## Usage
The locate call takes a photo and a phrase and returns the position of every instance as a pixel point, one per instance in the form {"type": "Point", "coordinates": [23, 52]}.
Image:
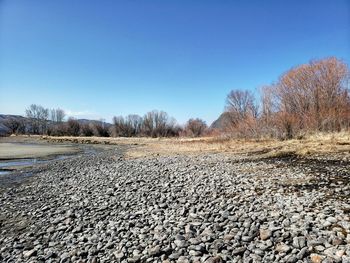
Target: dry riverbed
{"type": "Point", "coordinates": [203, 207]}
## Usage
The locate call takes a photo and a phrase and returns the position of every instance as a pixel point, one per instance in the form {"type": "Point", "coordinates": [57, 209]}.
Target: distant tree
{"type": "Point", "coordinates": [134, 123]}
{"type": "Point", "coordinates": [86, 130]}
{"type": "Point", "coordinates": [242, 112]}
{"type": "Point", "coordinates": [99, 128]}
{"type": "Point", "coordinates": [38, 117]}
{"type": "Point", "coordinates": [241, 104]}
{"type": "Point", "coordinates": [128, 126]}
{"type": "Point", "coordinates": [157, 124]}
{"type": "Point", "coordinates": [119, 126]}
{"type": "Point", "coordinates": [195, 127]}
{"type": "Point", "coordinates": [57, 115]}
{"type": "Point", "coordinates": [15, 126]}
{"type": "Point", "coordinates": [73, 127]}
{"type": "Point", "coordinates": [269, 111]}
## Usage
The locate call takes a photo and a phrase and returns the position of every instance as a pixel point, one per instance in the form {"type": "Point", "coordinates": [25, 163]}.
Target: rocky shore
{"type": "Point", "coordinates": [207, 208]}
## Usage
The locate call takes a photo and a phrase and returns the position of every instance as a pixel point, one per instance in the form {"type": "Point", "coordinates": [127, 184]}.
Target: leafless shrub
{"type": "Point", "coordinates": [99, 128]}
{"type": "Point", "coordinates": [15, 125]}
{"type": "Point", "coordinates": [73, 127]}
{"type": "Point", "coordinates": [195, 127]}
{"type": "Point", "coordinates": [57, 129]}
{"type": "Point", "coordinates": [86, 130]}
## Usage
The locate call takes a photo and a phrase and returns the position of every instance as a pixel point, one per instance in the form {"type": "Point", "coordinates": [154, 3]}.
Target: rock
{"type": "Point", "coordinates": [78, 229]}
{"type": "Point", "coordinates": [29, 253]}
{"type": "Point", "coordinates": [334, 253]}
{"type": "Point", "coordinates": [331, 219]}
{"type": "Point", "coordinates": [216, 259]}
{"type": "Point", "coordinates": [247, 238]}
{"type": "Point", "coordinates": [265, 234]}
{"type": "Point", "coordinates": [155, 251]}
{"type": "Point", "coordinates": [50, 230]}
{"type": "Point", "coordinates": [65, 257]}
{"type": "Point", "coordinates": [292, 259]}
{"type": "Point", "coordinates": [315, 258]}
{"type": "Point", "coordinates": [175, 255]}
{"type": "Point", "coordinates": [189, 228]}
{"type": "Point", "coordinates": [229, 237]}
{"type": "Point", "coordinates": [183, 259]}
{"type": "Point", "coordinates": [195, 253]}
{"type": "Point", "coordinates": [118, 255]}
{"type": "Point", "coordinates": [259, 252]}
{"type": "Point", "coordinates": [110, 191]}
{"type": "Point", "coordinates": [238, 251]}
{"type": "Point", "coordinates": [299, 242]}
{"type": "Point", "coordinates": [282, 248]}
{"type": "Point", "coordinates": [302, 253]}
{"type": "Point", "coordinates": [180, 243]}
{"type": "Point", "coordinates": [194, 241]}
{"type": "Point", "coordinates": [319, 248]}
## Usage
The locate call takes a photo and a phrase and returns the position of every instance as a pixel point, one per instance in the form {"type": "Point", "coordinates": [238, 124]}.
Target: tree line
{"type": "Point", "coordinates": [312, 97]}
{"type": "Point", "coordinates": [43, 121]}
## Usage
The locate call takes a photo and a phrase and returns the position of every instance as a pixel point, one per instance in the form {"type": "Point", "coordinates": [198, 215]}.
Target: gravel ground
{"type": "Point", "coordinates": [208, 208]}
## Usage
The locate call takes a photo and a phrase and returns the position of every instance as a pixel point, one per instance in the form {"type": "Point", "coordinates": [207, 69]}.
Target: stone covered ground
{"type": "Point", "coordinates": [206, 208]}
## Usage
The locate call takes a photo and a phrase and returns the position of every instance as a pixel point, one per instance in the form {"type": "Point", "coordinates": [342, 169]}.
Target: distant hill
{"type": "Point", "coordinates": [86, 121]}
{"type": "Point", "coordinates": [223, 120]}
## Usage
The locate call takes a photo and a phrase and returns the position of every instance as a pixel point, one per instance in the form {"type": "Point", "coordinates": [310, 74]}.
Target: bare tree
{"type": "Point", "coordinates": [57, 115]}
{"type": "Point", "coordinates": [158, 124]}
{"type": "Point", "coordinates": [316, 95]}
{"type": "Point", "coordinates": [242, 113]}
{"type": "Point", "coordinates": [195, 127]}
{"type": "Point", "coordinates": [134, 122]}
{"type": "Point", "coordinates": [99, 128]}
{"type": "Point", "coordinates": [120, 128]}
{"type": "Point", "coordinates": [38, 116]}
{"type": "Point", "coordinates": [241, 103]}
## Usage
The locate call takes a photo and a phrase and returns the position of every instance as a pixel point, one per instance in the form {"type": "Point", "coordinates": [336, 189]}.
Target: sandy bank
{"type": "Point", "coordinates": [18, 151]}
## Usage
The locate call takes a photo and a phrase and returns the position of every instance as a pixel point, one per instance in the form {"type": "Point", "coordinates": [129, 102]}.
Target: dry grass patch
{"type": "Point", "coordinates": [319, 144]}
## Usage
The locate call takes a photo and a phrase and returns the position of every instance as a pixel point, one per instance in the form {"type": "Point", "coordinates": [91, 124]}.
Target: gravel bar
{"type": "Point", "coordinates": [208, 208]}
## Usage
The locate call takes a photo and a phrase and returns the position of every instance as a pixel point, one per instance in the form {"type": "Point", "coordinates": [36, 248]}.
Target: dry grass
{"type": "Point", "coordinates": [319, 144]}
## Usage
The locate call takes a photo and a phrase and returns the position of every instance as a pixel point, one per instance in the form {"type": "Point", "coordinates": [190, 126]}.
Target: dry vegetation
{"type": "Point", "coordinates": [319, 144]}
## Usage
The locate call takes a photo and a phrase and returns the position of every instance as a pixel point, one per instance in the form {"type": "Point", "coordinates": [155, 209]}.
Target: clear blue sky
{"type": "Point", "coordinates": [104, 58]}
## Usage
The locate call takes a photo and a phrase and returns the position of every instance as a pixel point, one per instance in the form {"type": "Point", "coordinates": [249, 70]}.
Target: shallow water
{"type": "Point", "coordinates": [6, 167]}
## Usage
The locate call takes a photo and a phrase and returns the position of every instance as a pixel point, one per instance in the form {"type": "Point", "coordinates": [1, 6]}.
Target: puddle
{"type": "Point", "coordinates": [8, 166]}
{"type": "Point", "coordinates": [21, 162]}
